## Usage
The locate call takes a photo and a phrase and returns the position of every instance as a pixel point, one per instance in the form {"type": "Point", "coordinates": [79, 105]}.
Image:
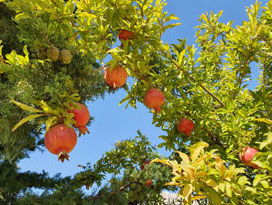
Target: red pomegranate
{"type": "Point", "coordinates": [81, 116]}
{"type": "Point", "coordinates": [125, 35]}
{"type": "Point", "coordinates": [185, 126]}
{"type": "Point", "coordinates": [146, 162]}
{"type": "Point", "coordinates": [247, 155]}
{"type": "Point", "coordinates": [60, 140]}
{"type": "Point", "coordinates": [154, 98]}
{"type": "Point", "coordinates": [148, 182]}
{"type": "Point", "coordinates": [116, 77]}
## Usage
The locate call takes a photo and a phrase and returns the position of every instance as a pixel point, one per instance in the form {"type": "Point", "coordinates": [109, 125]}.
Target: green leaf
{"type": "Point", "coordinates": [265, 184]}
{"type": "Point", "coordinates": [26, 119]}
{"type": "Point", "coordinates": [258, 178]}
{"type": "Point", "coordinates": [243, 180]}
{"type": "Point", "coordinates": [181, 55]}
{"type": "Point", "coordinates": [222, 186]}
{"type": "Point", "coordinates": [228, 189]}
{"type": "Point", "coordinates": [267, 142]}
{"type": "Point", "coordinates": [212, 195]}
{"type": "Point", "coordinates": [26, 107]}
{"type": "Point", "coordinates": [171, 26]}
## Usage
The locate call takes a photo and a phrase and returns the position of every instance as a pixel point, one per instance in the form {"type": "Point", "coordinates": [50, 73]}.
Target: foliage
{"type": "Point", "coordinates": [206, 82]}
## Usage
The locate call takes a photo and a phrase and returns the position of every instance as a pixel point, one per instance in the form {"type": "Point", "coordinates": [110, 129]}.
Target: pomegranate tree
{"type": "Point", "coordinates": [81, 116]}
{"type": "Point", "coordinates": [247, 155]}
{"type": "Point", "coordinates": [185, 126]}
{"type": "Point", "coordinates": [116, 77]}
{"type": "Point", "coordinates": [60, 140]}
{"type": "Point", "coordinates": [154, 98]}
{"type": "Point", "coordinates": [125, 35]}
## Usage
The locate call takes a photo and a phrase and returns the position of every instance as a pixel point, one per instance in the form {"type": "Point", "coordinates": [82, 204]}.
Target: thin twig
{"type": "Point", "coordinates": [99, 196]}
{"type": "Point", "coordinates": [214, 138]}
{"type": "Point", "coordinates": [193, 79]}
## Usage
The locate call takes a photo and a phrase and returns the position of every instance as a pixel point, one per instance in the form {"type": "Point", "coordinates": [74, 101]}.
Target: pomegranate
{"type": "Point", "coordinates": [185, 126]}
{"type": "Point", "coordinates": [148, 182]}
{"type": "Point", "coordinates": [147, 162]}
{"type": "Point", "coordinates": [81, 116]}
{"type": "Point", "coordinates": [247, 155]}
{"type": "Point", "coordinates": [116, 77]}
{"type": "Point", "coordinates": [52, 53]}
{"type": "Point", "coordinates": [154, 98]}
{"type": "Point", "coordinates": [65, 56]}
{"type": "Point", "coordinates": [125, 35]}
{"type": "Point", "coordinates": [60, 140]}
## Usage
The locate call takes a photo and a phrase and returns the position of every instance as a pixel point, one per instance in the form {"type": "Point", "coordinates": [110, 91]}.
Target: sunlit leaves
{"type": "Point", "coordinates": [15, 59]}
{"type": "Point", "coordinates": [205, 170]}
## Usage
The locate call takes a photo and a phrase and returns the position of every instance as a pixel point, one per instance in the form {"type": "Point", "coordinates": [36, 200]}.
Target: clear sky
{"type": "Point", "coordinates": [113, 122]}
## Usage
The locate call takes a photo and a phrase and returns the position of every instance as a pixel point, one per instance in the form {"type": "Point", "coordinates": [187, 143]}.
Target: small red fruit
{"type": "Point", "coordinates": [148, 182]}
{"type": "Point", "coordinates": [125, 35]}
{"type": "Point", "coordinates": [81, 116]}
{"type": "Point", "coordinates": [185, 126]}
{"type": "Point", "coordinates": [60, 140]}
{"type": "Point", "coordinates": [247, 155]}
{"type": "Point", "coordinates": [154, 98]}
{"type": "Point", "coordinates": [147, 162]}
{"type": "Point", "coordinates": [116, 77]}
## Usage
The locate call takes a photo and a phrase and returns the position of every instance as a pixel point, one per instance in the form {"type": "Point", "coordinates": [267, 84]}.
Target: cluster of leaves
{"type": "Point", "coordinates": [47, 87]}
{"type": "Point", "coordinates": [204, 175]}
{"type": "Point", "coordinates": [127, 184]}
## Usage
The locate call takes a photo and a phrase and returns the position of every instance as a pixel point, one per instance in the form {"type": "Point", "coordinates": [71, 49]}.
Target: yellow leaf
{"type": "Point", "coordinates": [183, 156]}
{"type": "Point", "coordinates": [187, 191]}
{"type": "Point", "coordinates": [267, 121]}
{"type": "Point", "coordinates": [163, 161]}
{"type": "Point", "coordinates": [26, 107]}
{"type": "Point", "coordinates": [26, 119]}
{"type": "Point", "coordinates": [196, 149]}
{"type": "Point", "coordinates": [212, 183]}
{"type": "Point", "coordinates": [190, 170]}
{"type": "Point", "coordinates": [172, 184]}
{"type": "Point", "coordinates": [228, 189]}
{"type": "Point", "coordinates": [220, 164]}
{"type": "Point", "coordinates": [198, 197]}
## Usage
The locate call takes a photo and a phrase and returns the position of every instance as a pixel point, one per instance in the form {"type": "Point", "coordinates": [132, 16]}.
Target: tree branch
{"type": "Point", "coordinates": [193, 79]}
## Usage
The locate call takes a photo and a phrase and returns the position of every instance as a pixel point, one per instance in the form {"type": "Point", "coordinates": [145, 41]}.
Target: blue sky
{"type": "Point", "coordinates": [113, 122]}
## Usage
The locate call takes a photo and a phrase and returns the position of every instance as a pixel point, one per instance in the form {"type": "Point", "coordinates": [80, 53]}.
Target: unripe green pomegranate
{"type": "Point", "coordinates": [42, 54]}
{"type": "Point", "coordinates": [65, 56]}
{"type": "Point", "coordinates": [53, 53]}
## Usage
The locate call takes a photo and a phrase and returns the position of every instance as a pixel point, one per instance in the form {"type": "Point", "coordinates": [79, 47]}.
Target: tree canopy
{"type": "Point", "coordinates": [54, 54]}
